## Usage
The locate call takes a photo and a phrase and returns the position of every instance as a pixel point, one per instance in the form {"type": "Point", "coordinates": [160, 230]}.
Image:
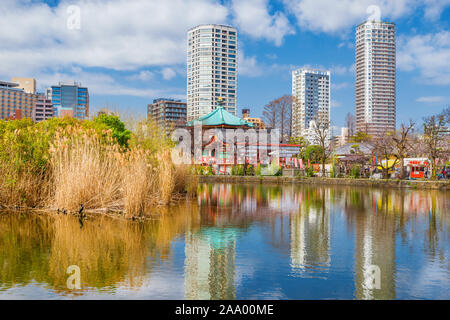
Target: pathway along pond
{"type": "Point", "coordinates": [240, 242]}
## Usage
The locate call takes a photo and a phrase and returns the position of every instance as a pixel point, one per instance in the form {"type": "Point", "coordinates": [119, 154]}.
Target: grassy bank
{"type": "Point", "coordinates": [63, 163]}
{"type": "Point", "coordinates": [415, 184]}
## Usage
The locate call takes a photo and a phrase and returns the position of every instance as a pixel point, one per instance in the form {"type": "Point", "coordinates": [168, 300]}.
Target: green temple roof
{"type": "Point", "coordinates": [218, 117]}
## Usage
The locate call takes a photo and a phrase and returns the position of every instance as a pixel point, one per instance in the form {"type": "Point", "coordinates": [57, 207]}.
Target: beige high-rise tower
{"type": "Point", "coordinates": [375, 96]}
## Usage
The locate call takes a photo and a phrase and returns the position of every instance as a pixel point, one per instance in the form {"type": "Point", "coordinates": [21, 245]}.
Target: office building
{"type": "Point", "coordinates": [168, 113]}
{"type": "Point", "coordinates": [26, 84]}
{"type": "Point", "coordinates": [375, 96]}
{"type": "Point", "coordinates": [311, 101]}
{"type": "Point", "coordinates": [15, 103]}
{"type": "Point", "coordinates": [70, 99]}
{"type": "Point", "coordinates": [211, 69]}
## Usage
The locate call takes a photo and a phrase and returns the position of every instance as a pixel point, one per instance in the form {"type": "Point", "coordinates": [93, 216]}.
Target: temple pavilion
{"type": "Point", "coordinates": [250, 152]}
{"type": "Point", "coordinates": [220, 118]}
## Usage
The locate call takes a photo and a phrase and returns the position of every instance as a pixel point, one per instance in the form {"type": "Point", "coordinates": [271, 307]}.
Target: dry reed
{"type": "Point", "coordinates": [85, 171]}
{"type": "Point", "coordinates": [88, 171]}
{"type": "Point", "coordinates": [79, 165]}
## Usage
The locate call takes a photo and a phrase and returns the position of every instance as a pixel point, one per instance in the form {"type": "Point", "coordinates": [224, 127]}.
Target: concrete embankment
{"type": "Point", "coordinates": [413, 184]}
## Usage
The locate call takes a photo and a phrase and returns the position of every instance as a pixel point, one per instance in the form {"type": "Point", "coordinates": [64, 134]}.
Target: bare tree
{"type": "Point", "coordinates": [402, 144]}
{"type": "Point", "coordinates": [285, 108]}
{"type": "Point", "coordinates": [435, 136]}
{"type": "Point", "coordinates": [321, 129]}
{"type": "Point", "coordinates": [271, 115]}
{"type": "Point", "coordinates": [350, 123]}
{"type": "Point", "coordinates": [278, 115]}
{"type": "Point", "coordinates": [384, 149]}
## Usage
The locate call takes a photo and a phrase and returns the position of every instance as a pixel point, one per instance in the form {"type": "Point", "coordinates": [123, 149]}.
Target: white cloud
{"type": "Point", "coordinates": [248, 66]}
{"type": "Point", "coordinates": [168, 73]}
{"type": "Point", "coordinates": [333, 16]}
{"type": "Point", "coordinates": [335, 104]}
{"type": "Point", "coordinates": [431, 99]}
{"type": "Point", "coordinates": [115, 34]}
{"type": "Point", "coordinates": [339, 86]}
{"type": "Point", "coordinates": [434, 8]}
{"type": "Point", "coordinates": [253, 18]}
{"type": "Point", "coordinates": [347, 44]}
{"type": "Point", "coordinates": [340, 70]}
{"type": "Point", "coordinates": [144, 75]}
{"type": "Point", "coordinates": [429, 54]}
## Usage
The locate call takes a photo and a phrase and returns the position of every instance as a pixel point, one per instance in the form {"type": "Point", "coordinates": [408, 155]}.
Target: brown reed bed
{"type": "Point", "coordinates": [87, 167]}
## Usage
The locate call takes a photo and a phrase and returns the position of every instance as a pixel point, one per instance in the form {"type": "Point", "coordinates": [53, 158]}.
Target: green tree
{"type": "Point", "coordinates": [119, 132]}
{"type": "Point", "coordinates": [303, 144]}
{"type": "Point", "coordinates": [435, 133]}
{"type": "Point", "coordinates": [314, 153]}
{"type": "Point", "coordinates": [361, 137]}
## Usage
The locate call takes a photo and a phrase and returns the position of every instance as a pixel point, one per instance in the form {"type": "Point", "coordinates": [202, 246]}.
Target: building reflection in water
{"type": "Point", "coordinates": [310, 234]}
{"type": "Point", "coordinates": [374, 244]}
{"type": "Point", "coordinates": [210, 264]}
{"type": "Point", "coordinates": [300, 220]}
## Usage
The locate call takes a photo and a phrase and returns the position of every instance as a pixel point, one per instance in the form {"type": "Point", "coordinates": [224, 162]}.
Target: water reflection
{"type": "Point", "coordinates": [110, 252]}
{"type": "Point", "coordinates": [310, 234]}
{"type": "Point", "coordinates": [239, 242]}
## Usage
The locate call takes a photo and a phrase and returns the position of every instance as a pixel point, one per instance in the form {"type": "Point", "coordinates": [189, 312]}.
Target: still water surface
{"type": "Point", "coordinates": [239, 242]}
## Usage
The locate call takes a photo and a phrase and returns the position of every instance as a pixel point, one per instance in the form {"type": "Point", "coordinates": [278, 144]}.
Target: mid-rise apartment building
{"type": "Point", "coordinates": [70, 99]}
{"type": "Point", "coordinates": [375, 90]}
{"type": "Point", "coordinates": [15, 102]}
{"type": "Point", "coordinates": [168, 113]}
{"type": "Point", "coordinates": [257, 122]}
{"type": "Point", "coordinates": [43, 109]}
{"type": "Point", "coordinates": [211, 69]}
{"type": "Point", "coordinates": [311, 100]}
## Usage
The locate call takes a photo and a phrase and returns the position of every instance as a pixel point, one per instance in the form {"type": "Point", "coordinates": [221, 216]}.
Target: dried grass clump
{"type": "Point", "coordinates": [138, 182]}
{"type": "Point", "coordinates": [21, 189]}
{"type": "Point", "coordinates": [76, 164]}
{"type": "Point", "coordinates": [85, 170]}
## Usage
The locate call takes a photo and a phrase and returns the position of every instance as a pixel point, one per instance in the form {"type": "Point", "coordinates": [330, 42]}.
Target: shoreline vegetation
{"type": "Point", "coordinates": [384, 183]}
{"type": "Point", "coordinates": [97, 165]}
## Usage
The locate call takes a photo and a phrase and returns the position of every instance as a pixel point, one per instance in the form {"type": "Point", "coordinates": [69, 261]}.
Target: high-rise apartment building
{"type": "Point", "coordinates": [70, 99]}
{"type": "Point", "coordinates": [375, 77]}
{"type": "Point", "coordinates": [311, 100]}
{"type": "Point", "coordinates": [167, 112]}
{"type": "Point", "coordinates": [211, 69]}
{"type": "Point", "coordinates": [15, 102]}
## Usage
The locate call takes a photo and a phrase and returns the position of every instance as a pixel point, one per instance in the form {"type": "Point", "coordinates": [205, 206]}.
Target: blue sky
{"type": "Point", "coordinates": [130, 52]}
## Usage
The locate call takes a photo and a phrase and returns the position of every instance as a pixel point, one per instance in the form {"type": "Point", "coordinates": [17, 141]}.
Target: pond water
{"type": "Point", "coordinates": [240, 242]}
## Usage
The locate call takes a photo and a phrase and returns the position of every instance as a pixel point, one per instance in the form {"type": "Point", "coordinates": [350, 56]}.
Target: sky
{"type": "Point", "coordinates": [129, 52]}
